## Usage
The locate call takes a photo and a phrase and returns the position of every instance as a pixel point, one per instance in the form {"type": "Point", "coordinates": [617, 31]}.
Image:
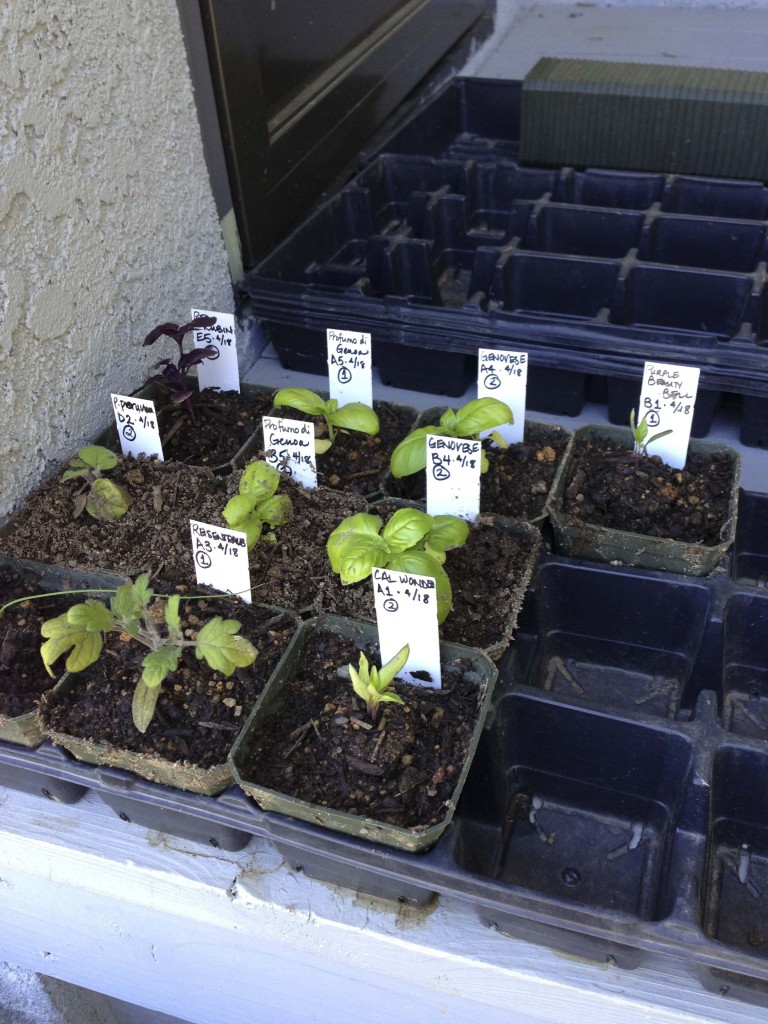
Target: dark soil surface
{"type": "Point", "coordinates": [224, 420]}
{"type": "Point", "coordinates": [488, 575]}
{"type": "Point", "coordinates": [518, 479]}
{"type": "Point", "coordinates": [356, 462]}
{"type": "Point", "coordinates": [199, 713]}
{"type": "Point", "coordinates": [23, 677]}
{"type": "Point", "coordinates": [152, 536]}
{"type": "Point", "coordinates": [608, 487]}
{"type": "Point", "coordinates": [322, 747]}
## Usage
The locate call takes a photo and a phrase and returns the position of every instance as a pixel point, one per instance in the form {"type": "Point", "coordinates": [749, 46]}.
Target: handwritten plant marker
{"type": "Point", "coordinates": [222, 372]}
{"type": "Point", "coordinates": [667, 400]}
{"type": "Point", "coordinates": [221, 559]}
{"type": "Point", "coordinates": [504, 375]}
{"type": "Point", "coordinates": [350, 363]}
{"type": "Point", "coordinates": [406, 613]}
{"type": "Point", "coordinates": [290, 448]}
{"type": "Point", "coordinates": [137, 426]}
{"type": "Point", "coordinates": [453, 476]}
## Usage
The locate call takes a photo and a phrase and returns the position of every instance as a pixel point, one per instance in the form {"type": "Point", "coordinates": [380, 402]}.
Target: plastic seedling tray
{"type": "Point", "coordinates": [445, 242]}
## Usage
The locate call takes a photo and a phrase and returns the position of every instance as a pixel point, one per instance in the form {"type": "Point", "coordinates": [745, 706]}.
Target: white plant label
{"type": "Point", "coordinates": [222, 371]}
{"type": "Point", "coordinates": [221, 559]}
{"type": "Point", "coordinates": [137, 426]}
{"type": "Point", "coordinates": [667, 398]}
{"type": "Point", "coordinates": [350, 362]}
{"type": "Point", "coordinates": [406, 613]}
{"type": "Point", "coordinates": [453, 476]}
{"type": "Point", "coordinates": [290, 448]}
{"type": "Point", "coordinates": [504, 375]}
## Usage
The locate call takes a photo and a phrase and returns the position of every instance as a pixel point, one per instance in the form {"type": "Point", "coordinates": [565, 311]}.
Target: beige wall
{"type": "Point", "coordinates": [107, 224]}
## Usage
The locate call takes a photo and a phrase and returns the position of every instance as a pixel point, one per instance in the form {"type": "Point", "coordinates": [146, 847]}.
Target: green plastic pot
{"type": "Point", "coordinates": [579, 539]}
{"type": "Point", "coordinates": [361, 633]}
{"type": "Point", "coordinates": [25, 730]}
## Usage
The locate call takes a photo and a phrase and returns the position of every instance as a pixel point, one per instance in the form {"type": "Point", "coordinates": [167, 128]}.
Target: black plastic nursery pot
{"type": "Point", "coordinates": [581, 539]}
{"type": "Point", "coordinates": [446, 242]}
{"type": "Point", "coordinates": [257, 394]}
{"type": "Point", "coordinates": [25, 728]}
{"type": "Point", "coordinates": [412, 839]}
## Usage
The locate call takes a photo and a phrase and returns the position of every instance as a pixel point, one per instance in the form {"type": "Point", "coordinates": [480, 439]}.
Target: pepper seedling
{"type": "Point", "coordinates": [373, 684]}
{"type": "Point", "coordinates": [256, 502]}
{"type": "Point", "coordinates": [173, 376]}
{"type": "Point", "coordinates": [136, 612]}
{"type": "Point", "coordinates": [468, 422]}
{"type": "Point", "coordinates": [640, 434]}
{"type": "Point", "coordinates": [352, 416]}
{"type": "Point", "coordinates": [412, 541]}
{"type": "Point", "coordinates": [99, 497]}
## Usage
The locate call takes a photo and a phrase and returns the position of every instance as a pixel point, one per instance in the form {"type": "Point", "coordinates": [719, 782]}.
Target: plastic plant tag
{"type": "Point", "coordinates": [406, 613]}
{"type": "Point", "coordinates": [453, 476]}
{"type": "Point", "coordinates": [349, 367]}
{"type": "Point", "coordinates": [221, 559]}
{"type": "Point", "coordinates": [137, 426]}
{"type": "Point", "coordinates": [504, 375]}
{"type": "Point", "coordinates": [290, 448]}
{"type": "Point", "coordinates": [667, 398]}
{"type": "Point", "coordinates": [222, 371]}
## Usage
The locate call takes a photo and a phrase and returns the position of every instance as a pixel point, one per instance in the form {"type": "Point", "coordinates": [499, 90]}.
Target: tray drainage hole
{"type": "Point", "coordinates": [47, 793]}
{"type": "Point", "coordinates": [214, 842]}
{"type": "Point", "coordinates": [123, 816]}
{"type": "Point", "coordinates": [570, 876]}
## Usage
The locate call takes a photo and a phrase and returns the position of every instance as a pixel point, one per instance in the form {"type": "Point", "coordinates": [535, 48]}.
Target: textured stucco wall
{"type": "Point", "coordinates": [107, 224]}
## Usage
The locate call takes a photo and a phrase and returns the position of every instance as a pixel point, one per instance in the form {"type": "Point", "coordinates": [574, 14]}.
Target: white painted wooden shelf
{"type": "Point", "coordinates": [209, 936]}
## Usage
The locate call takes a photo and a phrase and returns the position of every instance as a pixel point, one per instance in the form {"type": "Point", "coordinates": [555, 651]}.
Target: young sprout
{"type": "Point", "coordinates": [640, 434]}
{"type": "Point", "coordinates": [80, 633]}
{"type": "Point", "coordinates": [372, 684]}
{"type": "Point", "coordinates": [469, 422]}
{"type": "Point", "coordinates": [412, 541]}
{"type": "Point", "coordinates": [174, 373]}
{"type": "Point", "coordinates": [256, 503]}
{"type": "Point", "coordinates": [99, 497]}
{"type": "Point", "coordinates": [353, 416]}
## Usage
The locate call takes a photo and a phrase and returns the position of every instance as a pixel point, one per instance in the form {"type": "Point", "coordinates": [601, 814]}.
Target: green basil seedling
{"type": "Point", "coordinates": [99, 497]}
{"type": "Point", "coordinates": [468, 422]}
{"type": "Point", "coordinates": [372, 684]}
{"type": "Point", "coordinates": [257, 503]}
{"type": "Point", "coordinates": [353, 416]}
{"type": "Point", "coordinates": [134, 610]}
{"type": "Point", "coordinates": [411, 541]}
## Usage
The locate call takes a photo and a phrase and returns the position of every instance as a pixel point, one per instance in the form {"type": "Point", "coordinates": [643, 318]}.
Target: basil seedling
{"type": "Point", "coordinates": [353, 416]}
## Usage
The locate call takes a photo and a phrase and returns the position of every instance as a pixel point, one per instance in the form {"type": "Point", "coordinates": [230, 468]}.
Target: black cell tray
{"type": "Point", "coordinates": [617, 807]}
{"type": "Point", "coordinates": [445, 243]}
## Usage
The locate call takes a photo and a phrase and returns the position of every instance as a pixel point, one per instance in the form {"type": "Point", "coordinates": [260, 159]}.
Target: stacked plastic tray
{"type": "Point", "coordinates": [617, 807]}
{"type": "Point", "coordinates": [445, 243]}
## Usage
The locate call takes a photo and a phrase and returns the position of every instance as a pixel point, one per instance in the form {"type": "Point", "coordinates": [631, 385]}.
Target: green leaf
{"type": "Point", "coordinates": [172, 617]}
{"type": "Point", "coordinates": [481, 414]}
{"type": "Point", "coordinates": [447, 532]}
{"type": "Point", "coordinates": [360, 679]}
{"type": "Point", "coordinates": [252, 527]}
{"type": "Point", "coordinates": [322, 445]}
{"type": "Point", "coordinates": [356, 556]}
{"type": "Point", "coordinates": [143, 705]}
{"type": "Point", "coordinates": [142, 591]}
{"type": "Point", "coordinates": [424, 564]}
{"type": "Point", "coordinates": [449, 420]}
{"type": "Point", "coordinates": [74, 474]}
{"type": "Point", "coordinates": [222, 649]}
{"type": "Point", "coordinates": [259, 479]}
{"type": "Point", "coordinates": [301, 399]}
{"type": "Point", "coordinates": [97, 457]}
{"type": "Point", "coordinates": [157, 664]}
{"type": "Point", "coordinates": [277, 510]}
{"type": "Point", "coordinates": [84, 645]}
{"type": "Point", "coordinates": [107, 500]}
{"type": "Point", "coordinates": [388, 672]}
{"type": "Point", "coordinates": [127, 609]}
{"type": "Point", "coordinates": [91, 615]}
{"type": "Point", "coordinates": [411, 454]}
{"type": "Point", "coordinates": [356, 416]}
{"type": "Point", "coordinates": [406, 528]}
{"type": "Point", "coordinates": [357, 525]}
{"type": "Point", "coordinates": [238, 508]}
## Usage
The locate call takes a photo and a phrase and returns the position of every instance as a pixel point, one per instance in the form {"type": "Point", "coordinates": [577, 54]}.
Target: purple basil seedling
{"type": "Point", "coordinates": [173, 376]}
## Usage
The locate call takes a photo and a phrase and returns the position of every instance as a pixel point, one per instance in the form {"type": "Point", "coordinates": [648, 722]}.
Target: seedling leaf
{"type": "Point", "coordinates": [143, 704]}
{"type": "Point", "coordinates": [222, 649]}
